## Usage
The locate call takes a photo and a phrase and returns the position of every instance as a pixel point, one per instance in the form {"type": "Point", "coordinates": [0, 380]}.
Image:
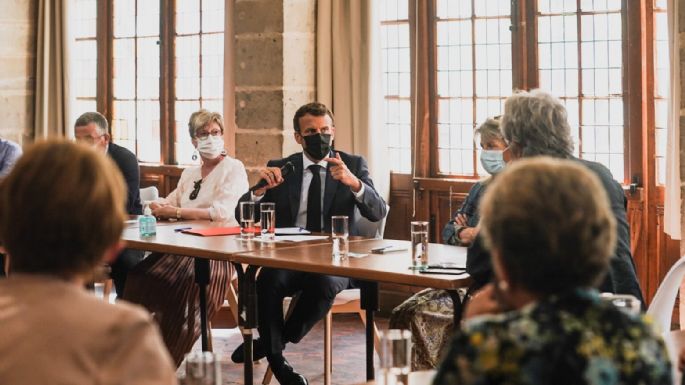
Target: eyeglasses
{"type": "Point", "coordinates": [89, 139]}
{"type": "Point", "coordinates": [196, 189]}
{"type": "Point", "coordinates": [204, 134]}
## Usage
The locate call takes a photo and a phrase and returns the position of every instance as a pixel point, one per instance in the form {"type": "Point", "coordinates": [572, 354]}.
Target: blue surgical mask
{"type": "Point", "coordinates": [492, 161]}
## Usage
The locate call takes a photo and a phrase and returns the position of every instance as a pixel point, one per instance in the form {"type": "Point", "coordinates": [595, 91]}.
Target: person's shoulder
{"type": "Point", "coordinates": [119, 152]}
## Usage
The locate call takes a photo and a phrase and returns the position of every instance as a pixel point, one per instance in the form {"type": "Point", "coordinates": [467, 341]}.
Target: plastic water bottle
{"type": "Point", "coordinates": [147, 223]}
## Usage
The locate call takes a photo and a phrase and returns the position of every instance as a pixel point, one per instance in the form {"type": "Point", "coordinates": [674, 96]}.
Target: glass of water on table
{"type": "Point", "coordinates": [419, 245]}
{"type": "Point", "coordinates": [247, 219]}
{"type": "Point", "coordinates": [267, 213]}
{"type": "Point", "coordinates": [340, 233]}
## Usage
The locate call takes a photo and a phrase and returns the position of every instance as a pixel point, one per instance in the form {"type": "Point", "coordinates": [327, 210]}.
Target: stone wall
{"type": "Point", "coordinates": [274, 72]}
{"type": "Point", "coordinates": [17, 67]}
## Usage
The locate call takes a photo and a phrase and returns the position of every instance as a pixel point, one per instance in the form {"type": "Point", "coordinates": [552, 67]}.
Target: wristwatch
{"type": "Point", "coordinates": [178, 213]}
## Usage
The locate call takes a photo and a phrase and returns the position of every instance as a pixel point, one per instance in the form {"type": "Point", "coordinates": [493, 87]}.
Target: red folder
{"type": "Point", "coordinates": [212, 231]}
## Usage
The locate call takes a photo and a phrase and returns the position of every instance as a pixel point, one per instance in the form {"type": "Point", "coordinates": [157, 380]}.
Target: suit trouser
{"type": "Point", "coordinates": [125, 262]}
{"type": "Point", "coordinates": [316, 296]}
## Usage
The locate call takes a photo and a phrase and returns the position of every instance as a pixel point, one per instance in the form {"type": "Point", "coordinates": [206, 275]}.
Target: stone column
{"type": "Point", "coordinates": [274, 72]}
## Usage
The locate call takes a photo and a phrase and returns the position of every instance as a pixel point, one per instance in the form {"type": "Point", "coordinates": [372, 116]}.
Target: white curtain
{"type": "Point", "coordinates": [348, 80]}
{"type": "Point", "coordinates": [672, 204]}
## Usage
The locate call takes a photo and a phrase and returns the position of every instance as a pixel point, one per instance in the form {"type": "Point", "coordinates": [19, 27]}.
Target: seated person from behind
{"type": "Point", "coordinates": [9, 153]}
{"type": "Point", "coordinates": [429, 313]}
{"type": "Point", "coordinates": [91, 128]}
{"type": "Point", "coordinates": [208, 191]}
{"type": "Point", "coordinates": [61, 218]}
{"type": "Point", "coordinates": [534, 124]}
{"type": "Point", "coordinates": [542, 320]}
{"type": "Point", "coordinates": [462, 230]}
{"type": "Point", "coordinates": [324, 183]}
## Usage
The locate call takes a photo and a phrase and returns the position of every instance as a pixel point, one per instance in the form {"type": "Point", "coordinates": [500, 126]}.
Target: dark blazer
{"type": "Point", "coordinates": [338, 198]}
{"type": "Point", "coordinates": [621, 278]}
{"type": "Point", "coordinates": [128, 164]}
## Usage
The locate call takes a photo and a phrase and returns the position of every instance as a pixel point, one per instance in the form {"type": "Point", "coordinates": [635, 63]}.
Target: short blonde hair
{"type": "Point", "coordinates": [61, 207]}
{"type": "Point", "coordinates": [551, 224]}
{"type": "Point", "coordinates": [202, 118]}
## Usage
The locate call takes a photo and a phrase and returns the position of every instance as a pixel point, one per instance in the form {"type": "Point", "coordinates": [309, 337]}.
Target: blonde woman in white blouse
{"type": "Point", "coordinates": [164, 283]}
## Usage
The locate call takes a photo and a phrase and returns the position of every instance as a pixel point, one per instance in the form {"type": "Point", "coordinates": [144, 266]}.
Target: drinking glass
{"type": "Point", "coordinates": [419, 245]}
{"type": "Point", "coordinates": [625, 302]}
{"type": "Point", "coordinates": [247, 218]}
{"type": "Point", "coordinates": [202, 368]}
{"type": "Point", "coordinates": [268, 220]}
{"type": "Point", "coordinates": [395, 357]}
{"type": "Point", "coordinates": [340, 233]}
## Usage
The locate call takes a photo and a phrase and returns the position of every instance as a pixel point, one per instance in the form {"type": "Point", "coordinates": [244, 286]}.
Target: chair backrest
{"type": "Point", "coordinates": [675, 342]}
{"type": "Point", "coordinates": [149, 194]}
{"type": "Point", "coordinates": [366, 228]}
{"type": "Point", "coordinates": [661, 308]}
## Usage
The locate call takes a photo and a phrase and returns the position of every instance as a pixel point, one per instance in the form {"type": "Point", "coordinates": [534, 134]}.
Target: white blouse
{"type": "Point", "coordinates": [219, 192]}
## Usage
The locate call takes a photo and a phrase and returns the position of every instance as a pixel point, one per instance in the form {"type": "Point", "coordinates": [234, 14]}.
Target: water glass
{"type": "Point", "coordinates": [419, 245]}
{"type": "Point", "coordinates": [340, 233]}
{"type": "Point", "coordinates": [625, 302]}
{"type": "Point", "coordinates": [202, 368]}
{"type": "Point", "coordinates": [395, 357]}
{"type": "Point", "coordinates": [247, 219]}
{"type": "Point", "coordinates": [268, 221]}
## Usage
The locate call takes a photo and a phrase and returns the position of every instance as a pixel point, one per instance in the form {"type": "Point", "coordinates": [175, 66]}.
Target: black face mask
{"type": "Point", "coordinates": [318, 146]}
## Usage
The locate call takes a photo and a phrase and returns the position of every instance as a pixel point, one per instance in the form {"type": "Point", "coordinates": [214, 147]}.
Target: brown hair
{"type": "Point", "coordinates": [201, 118]}
{"type": "Point", "coordinates": [314, 109]}
{"type": "Point", "coordinates": [550, 222]}
{"type": "Point", "coordinates": [61, 207]}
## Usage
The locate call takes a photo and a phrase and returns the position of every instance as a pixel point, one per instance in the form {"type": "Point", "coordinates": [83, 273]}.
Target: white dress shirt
{"type": "Point", "coordinates": [220, 190]}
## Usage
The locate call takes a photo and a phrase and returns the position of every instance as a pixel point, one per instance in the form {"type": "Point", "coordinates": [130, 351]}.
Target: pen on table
{"type": "Point", "coordinates": [179, 229]}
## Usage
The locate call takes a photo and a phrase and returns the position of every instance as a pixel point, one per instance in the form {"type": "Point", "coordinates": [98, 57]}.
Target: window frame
{"type": "Point", "coordinates": [639, 147]}
{"type": "Point", "coordinates": [167, 81]}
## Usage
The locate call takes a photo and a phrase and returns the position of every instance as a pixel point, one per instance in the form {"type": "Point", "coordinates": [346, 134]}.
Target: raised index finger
{"type": "Point", "coordinates": [337, 161]}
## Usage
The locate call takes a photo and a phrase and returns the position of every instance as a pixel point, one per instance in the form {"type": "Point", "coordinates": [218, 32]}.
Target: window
{"type": "Point", "coordinates": [396, 63]}
{"type": "Point", "coordinates": [474, 76]}
{"type": "Point", "coordinates": [580, 60]}
{"type": "Point", "coordinates": [131, 82]}
{"type": "Point", "coordinates": [661, 86]}
{"type": "Point", "coordinates": [84, 53]}
{"type": "Point", "coordinates": [574, 49]}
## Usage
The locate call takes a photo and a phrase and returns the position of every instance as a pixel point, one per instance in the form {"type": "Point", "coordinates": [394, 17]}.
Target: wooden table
{"type": "Point", "coordinates": [370, 270]}
{"type": "Point", "coordinates": [220, 248]}
{"type": "Point", "coordinates": [311, 256]}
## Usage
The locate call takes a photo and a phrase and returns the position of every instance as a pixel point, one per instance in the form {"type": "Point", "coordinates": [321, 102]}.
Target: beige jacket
{"type": "Point", "coordinates": [54, 332]}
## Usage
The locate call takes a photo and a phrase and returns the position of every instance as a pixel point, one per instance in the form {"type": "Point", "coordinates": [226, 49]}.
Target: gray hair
{"type": "Point", "coordinates": [538, 123]}
{"type": "Point", "coordinates": [93, 117]}
{"type": "Point", "coordinates": [489, 130]}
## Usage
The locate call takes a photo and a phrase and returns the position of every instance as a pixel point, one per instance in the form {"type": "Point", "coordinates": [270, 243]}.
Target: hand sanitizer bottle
{"type": "Point", "coordinates": [147, 223]}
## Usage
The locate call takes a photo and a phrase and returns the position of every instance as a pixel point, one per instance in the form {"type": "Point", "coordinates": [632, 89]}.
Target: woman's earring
{"type": "Point", "coordinates": [194, 157]}
{"type": "Point", "coordinates": [223, 152]}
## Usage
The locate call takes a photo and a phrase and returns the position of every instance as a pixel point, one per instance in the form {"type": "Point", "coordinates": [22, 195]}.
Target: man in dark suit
{"type": "Point", "coordinates": [92, 128]}
{"type": "Point", "coordinates": [323, 183]}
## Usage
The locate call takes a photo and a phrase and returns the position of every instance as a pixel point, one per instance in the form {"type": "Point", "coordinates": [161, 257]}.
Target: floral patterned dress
{"type": "Point", "coordinates": [569, 339]}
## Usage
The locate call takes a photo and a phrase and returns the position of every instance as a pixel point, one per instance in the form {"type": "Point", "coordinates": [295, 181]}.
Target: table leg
{"type": "Point", "coordinates": [247, 313]}
{"type": "Point", "coordinates": [202, 279]}
{"type": "Point", "coordinates": [369, 302]}
{"type": "Point", "coordinates": [458, 305]}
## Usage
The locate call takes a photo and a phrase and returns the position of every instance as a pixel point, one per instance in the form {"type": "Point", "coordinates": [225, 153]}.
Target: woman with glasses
{"type": "Point", "coordinates": [208, 191]}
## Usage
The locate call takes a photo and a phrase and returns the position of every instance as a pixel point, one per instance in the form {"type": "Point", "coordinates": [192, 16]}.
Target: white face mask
{"type": "Point", "coordinates": [492, 161]}
{"type": "Point", "coordinates": [211, 147]}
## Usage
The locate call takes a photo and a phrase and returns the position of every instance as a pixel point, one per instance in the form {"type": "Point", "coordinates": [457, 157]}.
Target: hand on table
{"type": "Point", "coordinates": [165, 212]}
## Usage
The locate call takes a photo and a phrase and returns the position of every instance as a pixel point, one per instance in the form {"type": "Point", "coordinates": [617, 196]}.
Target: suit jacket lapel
{"type": "Point", "coordinates": [295, 186]}
{"type": "Point", "coordinates": [329, 192]}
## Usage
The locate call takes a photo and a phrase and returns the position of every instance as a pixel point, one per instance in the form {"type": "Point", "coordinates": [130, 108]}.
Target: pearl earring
{"type": "Point", "coordinates": [194, 157]}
